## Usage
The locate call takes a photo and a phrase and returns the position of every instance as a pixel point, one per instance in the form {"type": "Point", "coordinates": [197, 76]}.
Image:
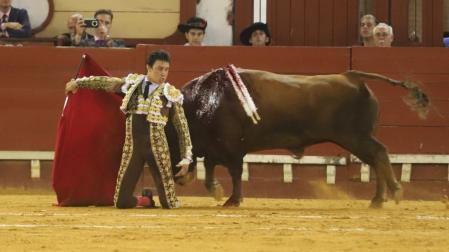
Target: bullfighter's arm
{"type": "Point", "coordinates": [180, 122]}
{"type": "Point", "coordinates": [182, 129]}
{"type": "Point", "coordinates": [109, 84]}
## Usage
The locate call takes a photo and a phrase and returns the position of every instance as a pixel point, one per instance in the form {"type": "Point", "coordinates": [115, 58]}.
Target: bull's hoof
{"type": "Point", "coordinates": [217, 192]}
{"type": "Point", "coordinates": [231, 202]}
{"type": "Point", "coordinates": [215, 189]}
{"type": "Point", "coordinates": [398, 194]}
{"type": "Point", "coordinates": [376, 204]}
{"type": "Point", "coordinates": [396, 191]}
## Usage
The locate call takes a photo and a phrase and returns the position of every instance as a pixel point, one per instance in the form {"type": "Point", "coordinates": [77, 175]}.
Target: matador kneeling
{"type": "Point", "coordinates": [149, 103]}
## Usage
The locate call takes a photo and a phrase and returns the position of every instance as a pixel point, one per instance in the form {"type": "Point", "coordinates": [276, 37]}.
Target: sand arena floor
{"type": "Point", "coordinates": [31, 223]}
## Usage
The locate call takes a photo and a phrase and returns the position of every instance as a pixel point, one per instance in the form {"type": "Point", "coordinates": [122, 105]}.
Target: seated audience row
{"type": "Point", "coordinates": [194, 30]}
{"type": "Point", "coordinates": [14, 23]}
{"type": "Point", "coordinates": [375, 34]}
{"type": "Point", "coordinates": [77, 35]}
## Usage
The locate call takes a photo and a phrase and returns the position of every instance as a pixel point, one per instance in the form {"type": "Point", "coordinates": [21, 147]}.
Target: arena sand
{"type": "Point", "coordinates": [32, 223]}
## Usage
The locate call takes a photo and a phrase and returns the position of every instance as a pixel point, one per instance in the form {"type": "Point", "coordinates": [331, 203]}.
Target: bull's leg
{"type": "Point", "coordinates": [393, 185]}
{"type": "Point", "coordinates": [378, 158]}
{"type": "Point", "coordinates": [373, 153]}
{"type": "Point", "coordinates": [213, 186]}
{"type": "Point", "coordinates": [235, 170]}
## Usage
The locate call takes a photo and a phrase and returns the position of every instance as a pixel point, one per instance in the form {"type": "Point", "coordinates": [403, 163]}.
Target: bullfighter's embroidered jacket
{"type": "Point", "coordinates": [157, 106]}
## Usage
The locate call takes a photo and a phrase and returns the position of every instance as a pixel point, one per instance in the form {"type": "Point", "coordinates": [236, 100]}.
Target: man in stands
{"type": "Point", "coordinates": [367, 24]}
{"type": "Point", "coordinates": [194, 30]}
{"type": "Point", "coordinates": [256, 34]}
{"type": "Point", "coordinates": [383, 35]}
{"type": "Point", "coordinates": [14, 22]}
{"type": "Point", "coordinates": [77, 32]}
{"type": "Point", "coordinates": [102, 34]}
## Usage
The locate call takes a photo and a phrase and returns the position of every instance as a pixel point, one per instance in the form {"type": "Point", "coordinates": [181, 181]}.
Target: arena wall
{"type": "Point", "coordinates": [32, 97]}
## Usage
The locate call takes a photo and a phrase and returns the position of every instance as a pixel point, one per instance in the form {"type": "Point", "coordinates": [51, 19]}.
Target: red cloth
{"type": "Point", "coordinates": [89, 144]}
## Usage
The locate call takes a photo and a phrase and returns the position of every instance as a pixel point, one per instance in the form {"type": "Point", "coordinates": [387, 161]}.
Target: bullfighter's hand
{"type": "Point", "coordinates": [71, 87]}
{"type": "Point", "coordinates": [184, 164]}
{"type": "Point", "coordinates": [14, 25]}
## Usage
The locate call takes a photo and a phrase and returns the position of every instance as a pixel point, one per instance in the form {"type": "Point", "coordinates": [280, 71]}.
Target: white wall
{"type": "Point", "coordinates": [218, 31]}
{"type": "Point", "coordinates": [38, 10]}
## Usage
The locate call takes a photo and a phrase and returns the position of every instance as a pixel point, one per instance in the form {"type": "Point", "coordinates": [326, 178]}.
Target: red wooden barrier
{"type": "Point", "coordinates": [313, 23]}
{"type": "Point", "coordinates": [401, 130]}
{"type": "Point", "coordinates": [32, 90]}
{"type": "Point", "coordinates": [336, 22]}
{"type": "Point", "coordinates": [32, 95]}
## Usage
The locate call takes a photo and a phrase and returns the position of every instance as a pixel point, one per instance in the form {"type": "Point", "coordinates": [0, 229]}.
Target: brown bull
{"type": "Point", "coordinates": [296, 112]}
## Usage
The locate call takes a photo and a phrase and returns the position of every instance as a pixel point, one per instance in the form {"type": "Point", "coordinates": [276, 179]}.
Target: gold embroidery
{"type": "Point", "coordinates": [161, 154]}
{"type": "Point", "coordinates": [126, 157]}
{"type": "Point", "coordinates": [142, 105]}
{"type": "Point", "coordinates": [173, 94]}
{"type": "Point", "coordinates": [182, 129]}
{"type": "Point", "coordinates": [156, 104]}
{"type": "Point", "coordinates": [133, 80]}
{"type": "Point", "coordinates": [99, 82]}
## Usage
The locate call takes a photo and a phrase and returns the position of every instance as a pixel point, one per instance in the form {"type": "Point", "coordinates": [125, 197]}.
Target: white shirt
{"type": "Point", "coordinates": [3, 26]}
{"type": "Point", "coordinates": [152, 87]}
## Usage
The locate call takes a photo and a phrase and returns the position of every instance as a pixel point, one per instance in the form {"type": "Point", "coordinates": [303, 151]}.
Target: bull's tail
{"type": "Point", "coordinates": [416, 99]}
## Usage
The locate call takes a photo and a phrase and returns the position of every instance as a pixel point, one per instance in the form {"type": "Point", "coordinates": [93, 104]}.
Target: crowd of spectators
{"type": "Point", "coordinates": [101, 37]}
{"type": "Point", "coordinates": [374, 34]}
{"type": "Point", "coordinates": [15, 23]}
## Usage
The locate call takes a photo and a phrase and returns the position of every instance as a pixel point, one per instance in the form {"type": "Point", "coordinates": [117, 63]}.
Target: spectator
{"type": "Point", "coordinates": [102, 37]}
{"type": "Point", "coordinates": [194, 30]}
{"type": "Point", "coordinates": [15, 22]}
{"type": "Point", "coordinates": [256, 34]}
{"type": "Point", "coordinates": [367, 24]}
{"type": "Point", "coordinates": [77, 32]}
{"type": "Point", "coordinates": [383, 35]}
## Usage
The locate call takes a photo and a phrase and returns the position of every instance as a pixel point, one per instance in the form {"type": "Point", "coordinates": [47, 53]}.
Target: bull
{"type": "Point", "coordinates": [296, 112]}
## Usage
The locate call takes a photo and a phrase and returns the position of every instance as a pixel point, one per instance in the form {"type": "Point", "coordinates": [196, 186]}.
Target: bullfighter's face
{"type": "Point", "coordinates": [158, 73]}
